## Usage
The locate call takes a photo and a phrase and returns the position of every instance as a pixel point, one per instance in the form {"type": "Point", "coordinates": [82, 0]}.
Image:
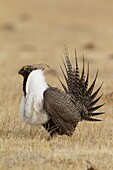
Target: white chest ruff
{"type": "Point", "coordinates": [32, 111]}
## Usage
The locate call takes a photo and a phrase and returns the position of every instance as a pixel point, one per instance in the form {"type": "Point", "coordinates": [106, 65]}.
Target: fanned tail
{"type": "Point", "coordinates": [77, 86]}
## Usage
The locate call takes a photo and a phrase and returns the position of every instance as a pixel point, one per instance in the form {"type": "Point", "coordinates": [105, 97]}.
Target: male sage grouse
{"type": "Point", "coordinates": [58, 111]}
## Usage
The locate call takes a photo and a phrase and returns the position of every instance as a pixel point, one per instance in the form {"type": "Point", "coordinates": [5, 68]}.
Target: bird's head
{"type": "Point", "coordinates": [27, 69]}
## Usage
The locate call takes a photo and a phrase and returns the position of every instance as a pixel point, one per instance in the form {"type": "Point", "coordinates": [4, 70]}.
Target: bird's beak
{"type": "Point", "coordinates": [20, 72]}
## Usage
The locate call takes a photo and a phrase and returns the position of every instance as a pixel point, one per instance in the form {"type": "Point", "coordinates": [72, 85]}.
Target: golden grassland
{"type": "Point", "coordinates": [36, 32]}
{"type": "Point", "coordinates": [26, 147]}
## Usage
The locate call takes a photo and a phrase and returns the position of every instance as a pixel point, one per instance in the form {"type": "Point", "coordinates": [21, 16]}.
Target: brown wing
{"type": "Point", "coordinates": [62, 110]}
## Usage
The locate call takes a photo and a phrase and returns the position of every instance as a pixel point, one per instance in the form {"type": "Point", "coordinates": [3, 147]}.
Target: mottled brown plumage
{"type": "Point", "coordinates": [75, 104]}
{"type": "Point", "coordinates": [60, 110]}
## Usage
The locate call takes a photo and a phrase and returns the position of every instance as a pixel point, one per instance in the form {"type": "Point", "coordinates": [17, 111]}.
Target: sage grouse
{"type": "Point", "coordinates": [58, 111]}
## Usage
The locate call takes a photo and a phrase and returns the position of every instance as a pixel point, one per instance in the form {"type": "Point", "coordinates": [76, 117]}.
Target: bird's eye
{"type": "Point", "coordinates": [25, 67]}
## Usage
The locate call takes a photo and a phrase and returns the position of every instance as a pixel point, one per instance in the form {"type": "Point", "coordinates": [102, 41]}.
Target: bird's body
{"type": "Point", "coordinates": [58, 111]}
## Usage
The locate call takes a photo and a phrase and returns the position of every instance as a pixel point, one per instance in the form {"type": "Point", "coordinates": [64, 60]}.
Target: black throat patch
{"type": "Point", "coordinates": [24, 85]}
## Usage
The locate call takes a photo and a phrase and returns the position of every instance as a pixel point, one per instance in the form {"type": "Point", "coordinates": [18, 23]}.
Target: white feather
{"type": "Point", "coordinates": [31, 109]}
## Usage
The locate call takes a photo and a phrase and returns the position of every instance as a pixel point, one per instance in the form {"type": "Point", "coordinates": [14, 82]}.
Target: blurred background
{"type": "Point", "coordinates": [34, 31]}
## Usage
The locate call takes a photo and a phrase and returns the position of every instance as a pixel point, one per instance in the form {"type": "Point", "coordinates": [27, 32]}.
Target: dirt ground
{"type": "Point", "coordinates": [36, 31]}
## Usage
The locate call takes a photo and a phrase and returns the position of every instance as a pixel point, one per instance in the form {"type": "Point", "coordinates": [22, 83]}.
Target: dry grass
{"type": "Point", "coordinates": [36, 32]}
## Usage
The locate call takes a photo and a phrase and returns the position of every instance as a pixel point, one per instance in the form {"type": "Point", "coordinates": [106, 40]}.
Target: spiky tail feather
{"type": "Point", "coordinates": [77, 86]}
